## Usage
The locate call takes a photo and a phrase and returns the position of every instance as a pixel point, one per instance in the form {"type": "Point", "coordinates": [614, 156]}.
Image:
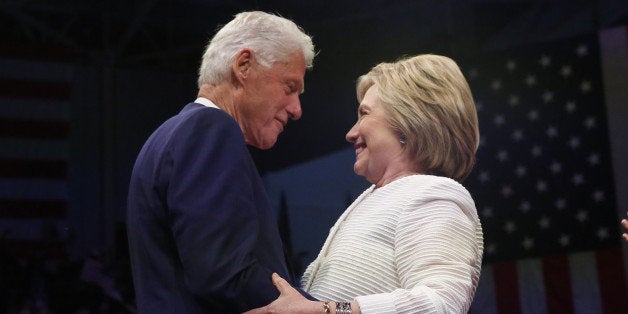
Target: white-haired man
{"type": "Point", "coordinates": [202, 235]}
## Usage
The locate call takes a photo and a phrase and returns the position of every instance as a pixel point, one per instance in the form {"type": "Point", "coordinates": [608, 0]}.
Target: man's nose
{"type": "Point", "coordinates": [294, 109]}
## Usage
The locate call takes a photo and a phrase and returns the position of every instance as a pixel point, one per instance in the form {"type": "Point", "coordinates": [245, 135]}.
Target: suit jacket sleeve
{"type": "Point", "coordinates": [212, 190]}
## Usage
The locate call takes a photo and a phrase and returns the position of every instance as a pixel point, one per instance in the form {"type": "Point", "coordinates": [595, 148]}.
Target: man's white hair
{"type": "Point", "coordinates": [272, 38]}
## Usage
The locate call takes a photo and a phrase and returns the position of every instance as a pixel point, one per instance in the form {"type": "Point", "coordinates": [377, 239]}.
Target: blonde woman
{"type": "Point", "coordinates": [412, 242]}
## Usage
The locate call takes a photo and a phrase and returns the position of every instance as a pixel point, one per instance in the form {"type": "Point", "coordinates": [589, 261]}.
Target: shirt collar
{"type": "Point", "coordinates": [205, 102]}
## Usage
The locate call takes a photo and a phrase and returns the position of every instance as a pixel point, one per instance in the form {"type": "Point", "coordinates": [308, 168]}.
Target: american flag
{"type": "Point", "coordinates": [35, 105]}
{"type": "Point", "coordinates": [543, 182]}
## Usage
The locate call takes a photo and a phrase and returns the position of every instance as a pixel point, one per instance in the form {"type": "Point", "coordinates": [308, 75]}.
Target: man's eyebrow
{"type": "Point", "coordinates": [298, 85]}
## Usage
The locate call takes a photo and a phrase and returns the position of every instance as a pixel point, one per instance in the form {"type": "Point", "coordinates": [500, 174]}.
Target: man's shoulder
{"type": "Point", "coordinates": [197, 116]}
{"type": "Point", "coordinates": [198, 111]}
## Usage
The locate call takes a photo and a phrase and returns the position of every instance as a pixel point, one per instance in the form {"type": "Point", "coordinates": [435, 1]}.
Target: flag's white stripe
{"type": "Point", "coordinates": [531, 286]}
{"type": "Point", "coordinates": [584, 283]}
{"type": "Point", "coordinates": [34, 149]}
{"type": "Point", "coordinates": [36, 70]}
{"type": "Point", "coordinates": [35, 109]}
{"type": "Point", "coordinates": [17, 188]}
{"type": "Point", "coordinates": [484, 301]}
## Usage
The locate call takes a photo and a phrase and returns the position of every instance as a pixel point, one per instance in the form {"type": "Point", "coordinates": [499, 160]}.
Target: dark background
{"type": "Point", "coordinates": [350, 36]}
{"type": "Point", "coordinates": [133, 64]}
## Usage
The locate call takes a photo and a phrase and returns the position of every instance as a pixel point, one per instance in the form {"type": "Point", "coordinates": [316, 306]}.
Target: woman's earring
{"type": "Point", "coordinates": [403, 139]}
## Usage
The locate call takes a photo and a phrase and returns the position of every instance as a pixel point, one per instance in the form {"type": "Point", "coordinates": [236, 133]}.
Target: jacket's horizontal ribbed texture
{"type": "Point", "coordinates": [412, 246]}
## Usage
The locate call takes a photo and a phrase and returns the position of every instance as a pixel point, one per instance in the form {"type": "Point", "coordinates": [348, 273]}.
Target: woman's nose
{"type": "Point", "coordinates": [352, 135]}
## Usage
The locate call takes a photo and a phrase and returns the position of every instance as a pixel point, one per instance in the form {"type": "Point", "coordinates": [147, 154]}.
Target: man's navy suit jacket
{"type": "Point", "coordinates": [202, 235]}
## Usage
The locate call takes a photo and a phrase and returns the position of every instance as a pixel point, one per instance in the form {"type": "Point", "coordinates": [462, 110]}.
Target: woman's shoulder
{"type": "Point", "coordinates": [422, 183]}
{"type": "Point", "coordinates": [419, 189]}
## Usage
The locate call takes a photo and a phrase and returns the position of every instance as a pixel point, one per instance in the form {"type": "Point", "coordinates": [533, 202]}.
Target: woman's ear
{"type": "Point", "coordinates": [403, 139]}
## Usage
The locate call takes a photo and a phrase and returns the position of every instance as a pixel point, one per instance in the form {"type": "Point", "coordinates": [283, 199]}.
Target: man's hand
{"type": "Point", "coordinates": [624, 223]}
{"type": "Point", "coordinates": [289, 301]}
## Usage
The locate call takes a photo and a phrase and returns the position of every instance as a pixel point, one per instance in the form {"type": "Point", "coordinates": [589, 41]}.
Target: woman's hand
{"type": "Point", "coordinates": [289, 301]}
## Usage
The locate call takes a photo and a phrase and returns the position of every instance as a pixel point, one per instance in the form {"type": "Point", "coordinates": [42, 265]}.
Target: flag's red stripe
{"type": "Point", "coordinates": [29, 248]}
{"type": "Point", "coordinates": [30, 168]}
{"type": "Point", "coordinates": [29, 208]}
{"type": "Point", "coordinates": [557, 281]}
{"type": "Point", "coordinates": [612, 280]}
{"type": "Point", "coordinates": [38, 53]}
{"type": "Point", "coordinates": [507, 287]}
{"type": "Point", "coordinates": [29, 89]}
{"type": "Point", "coordinates": [21, 128]}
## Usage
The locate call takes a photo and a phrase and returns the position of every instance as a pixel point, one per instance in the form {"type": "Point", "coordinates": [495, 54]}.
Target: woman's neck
{"type": "Point", "coordinates": [390, 178]}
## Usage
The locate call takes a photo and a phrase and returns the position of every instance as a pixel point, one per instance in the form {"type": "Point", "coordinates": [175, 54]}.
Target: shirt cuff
{"type": "Point", "coordinates": [376, 303]}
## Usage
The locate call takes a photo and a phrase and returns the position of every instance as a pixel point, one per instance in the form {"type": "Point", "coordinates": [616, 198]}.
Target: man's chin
{"type": "Point", "coordinates": [265, 144]}
{"type": "Point", "coordinates": [262, 141]}
{"type": "Point", "coordinates": [265, 147]}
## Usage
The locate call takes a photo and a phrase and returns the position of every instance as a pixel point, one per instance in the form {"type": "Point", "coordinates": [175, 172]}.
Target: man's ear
{"type": "Point", "coordinates": [242, 64]}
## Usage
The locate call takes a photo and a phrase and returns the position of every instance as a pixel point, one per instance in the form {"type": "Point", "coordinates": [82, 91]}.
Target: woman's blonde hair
{"type": "Point", "coordinates": [430, 104]}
